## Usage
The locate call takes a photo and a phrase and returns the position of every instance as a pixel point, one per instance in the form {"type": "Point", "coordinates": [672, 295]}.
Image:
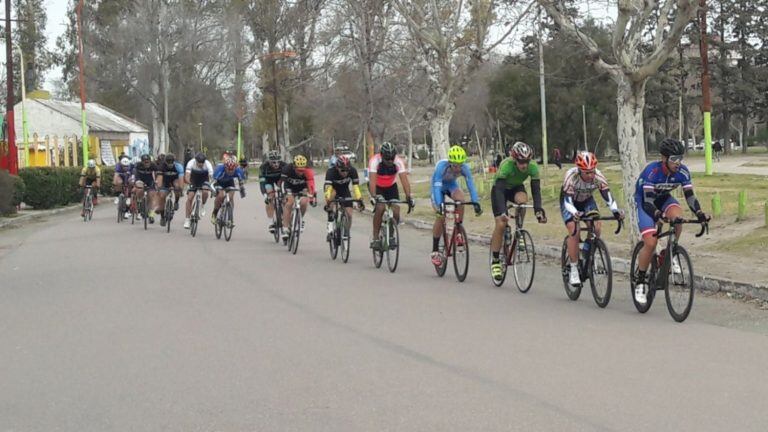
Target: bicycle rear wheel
{"type": "Point", "coordinates": [345, 242]}
{"type": "Point", "coordinates": [573, 292]}
{"type": "Point", "coordinates": [229, 221]}
{"type": "Point", "coordinates": [444, 252]}
{"type": "Point", "coordinates": [600, 273]}
{"type": "Point", "coordinates": [460, 252]}
{"type": "Point", "coordinates": [642, 308]}
{"type": "Point", "coordinates": [523, 260]}
{"type": "Point", "coordinates": [393, 251]}
{"type": "Point", "coordinates": [295, 231]}
{"type": "Point", "coordinates": [678, 288]}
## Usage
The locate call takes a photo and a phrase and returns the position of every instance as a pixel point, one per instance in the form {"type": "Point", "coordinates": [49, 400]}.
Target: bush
{"type": "Point", "coordinates": [48, 187]}
{"type": "Point", "coordinates": [10, 187]}
{"type": "Point", "coordinates": [18, 190]}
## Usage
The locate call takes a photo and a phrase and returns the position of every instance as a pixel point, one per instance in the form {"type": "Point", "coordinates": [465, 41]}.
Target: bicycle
{"type": "Point", "coordinates": [142, 208]}
{"type": "Point", "coordinates": [454, 242]}
{"type": "Point", "coordinates": [169, 209]}
{"type": "Point", "coordinates": [294, 231]}
{"type": "Point", "coordinates": [340, 238]}
{"type": "Point", "coordinates": [277, 218]}
{"type": "Point", "coordinates": [87, 203]}
{"type": "Point", "coordinates": [197, 204]}
{"type": "Point", "coordinates": [679, 294]}
{"type": "Point", "coordinates": [389, 236]}
{"type": "Point", "coordinates": [225, 217]}
{"type": "Point", "coordinates": [122, 204]}
{"type": "Point", "coordinates": [594, 261]}
{"type": "Point", "coordinates": [517, 250]}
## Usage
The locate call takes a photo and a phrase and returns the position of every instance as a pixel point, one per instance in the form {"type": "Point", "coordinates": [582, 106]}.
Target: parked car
{"type": "Point", "coordinates": [348, 153]}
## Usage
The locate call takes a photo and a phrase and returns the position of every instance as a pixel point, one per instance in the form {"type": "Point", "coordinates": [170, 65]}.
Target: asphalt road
{"type": "Point", "coordinates": [106, 327]}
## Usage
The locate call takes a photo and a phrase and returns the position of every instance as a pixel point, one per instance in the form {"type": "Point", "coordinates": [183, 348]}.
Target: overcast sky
{"type": "Point", "coordinates": [57, 19]}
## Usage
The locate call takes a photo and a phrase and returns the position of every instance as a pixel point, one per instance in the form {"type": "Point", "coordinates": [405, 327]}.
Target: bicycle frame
{"type": "Point", "coordinates": [450, 239]}
{"type": "Point", "coordinates": [508, 229]}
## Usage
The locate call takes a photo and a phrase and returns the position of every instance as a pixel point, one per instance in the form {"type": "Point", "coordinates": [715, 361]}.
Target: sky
{"type": "Point", "coordinates": [57, 18]}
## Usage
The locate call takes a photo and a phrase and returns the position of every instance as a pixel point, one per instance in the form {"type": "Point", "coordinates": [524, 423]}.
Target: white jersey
{"type": "Point", "coordinates": [192, 167]}
{"type": "Point", "coordinates": [575, 187]}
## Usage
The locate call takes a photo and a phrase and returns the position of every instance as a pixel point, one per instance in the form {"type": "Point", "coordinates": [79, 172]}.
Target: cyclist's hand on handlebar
{"type": "Point", "coordinates": [266, 200]}
{"type": "Point", "coordinates": [657, 215]}
{"type": "Point", "coordinates": [576, 216]}
{"type": "Point", "coordinates": [313, 201]}
{"type": "Point", "coordinates": [541, 215]}
{"type": "Point", "coordinates": [411, 203]}
{"type": "Point", "coordinates": [702, 216]}
{"type": "Point", "coordinates": [618, 215]}
{"type": "Point", "coordinates": [242, 192]}
{"type": "Point", "coordinates": [478, 209]}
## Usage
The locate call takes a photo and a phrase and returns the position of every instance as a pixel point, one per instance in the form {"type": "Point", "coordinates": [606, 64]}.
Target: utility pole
{"type": "Point", "coordinates": [13, 153]}
{"type": "Point", "coordinates": [81, 61]}
{"type": "Point", "coordinates": [584, 125]}
{"type": "Point", "coordinates": [543, 93]}
{"type": "Point", "coordinates": [24, 129]}
{"type": "Point", "coordinates": [706, 101]}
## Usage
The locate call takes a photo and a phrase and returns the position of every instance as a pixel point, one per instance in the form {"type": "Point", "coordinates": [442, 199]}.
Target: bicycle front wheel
{"type": "Point", "coordinates": [168, 214]}
{"type": "Point", "coordinates": [120, 208]}
{"type": "Point", "coordinates": [144, 212]}
{"type": "Point", "coordinates": [378, 255]}
{"type": "Point", "coordinates": [345, 242]}
{"type": "Point", "coordinates": [573, 292]}
{"type": "Point", "coordinates": [523, 260]}
{"type": "Point", "coordinates": [332, 244]}
{"type": "Point", "coordinates": [295, 232]}
{"type": "Point", "coordinates": [195, 216]}
{"type": "Point", "coordinates": [460, 253]}
{"type": "Point", "coordinates": [600, 273]}
{"type": "Point", "coordinates": [679, 288]}
{"type": "Point", "coordinates": [393, 251]}
{"type": "Point", "coordinates": [442, 247]}
{"type": "Point", "coordinates": [229, 221]}
{"type": "Point", "coordinates": [278, 222]}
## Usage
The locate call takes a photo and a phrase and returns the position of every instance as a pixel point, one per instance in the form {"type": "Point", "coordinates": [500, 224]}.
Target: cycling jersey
{"type": "Point", "coordinates": [123, 171]}
{"type": "Point", "coordinates": [221, 175]}
{"type": "Point", "coordinates": [91, 174]}
{"type": "Point", "coordinates": [575, 192]}
{"type": "Point", "coordinates": [296, 182]}
{"type": "Point", "coordinates": [145, 174]}
{"type": "Point", "coordinates": [269, 175]}
{"type": "Point", "coordinates": [199, 175]}
{"type": "Point", "coordinates": [511, 174]}
{"type": "Point", "coordinates": [653, 193]}
{"type": "Point", "coordinates": [444, 181]}
{"type": "Point", "coordinates": [171, 173]}
{"type": "Point", "coordinates": [508, 182]}
{"type": "Point", "coordinates": [334, 181]}
{"type": "Point", "coordinates": [386, 174]}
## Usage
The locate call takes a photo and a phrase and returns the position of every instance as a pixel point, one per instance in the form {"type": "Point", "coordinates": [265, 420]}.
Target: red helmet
{"type": "Point", "coordinates": [342, 162]}
{"type": "Point", "coordinates": [586, 161]}
{"type": "Point", "coordinates": [230, 163]}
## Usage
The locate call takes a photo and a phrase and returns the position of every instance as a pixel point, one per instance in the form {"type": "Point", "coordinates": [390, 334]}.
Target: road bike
{"type": "Point", "coordinates": [594, 262]}
{"type": "Point", "coordinates": [517, 251]}
{"type": "Point", "coordinates": [674, 263]}
{"type": "Point", "coordinates": [123, 201]}
{"type": "Point", "coordinates": [454, 242]}
{"type": "Point", "coordinates": [168, 209]}
{"type": "Point", "coordinates": [294, 230]}
{"type": "Point", "coordinates": [277, 217]}
{"type": "Point", "coordinates": [225, 221]}
{"type": "Point", "coordinates": [389, 235]}
{"type": "Point", "coordinates": [87, 203]}
{"type": "Point", "coordinates": [197, 206]}
{"type": "Point", "coordinates": [339, 239]}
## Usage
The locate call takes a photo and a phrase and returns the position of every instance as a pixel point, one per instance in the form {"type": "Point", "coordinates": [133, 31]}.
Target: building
{"type": "Point", "coordinates": [55, 124]}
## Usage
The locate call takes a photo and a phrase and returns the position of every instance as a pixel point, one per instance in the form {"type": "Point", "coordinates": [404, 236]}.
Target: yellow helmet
{"type": "Point", "coordinates": [457, 155]}
{"type": "Point", "coordinates": [299, 161]}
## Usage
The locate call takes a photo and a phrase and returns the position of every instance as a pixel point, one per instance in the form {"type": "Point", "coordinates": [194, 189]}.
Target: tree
{"type": "Point", "coordinates": [31, 39]}
{"type": "Point", "coordinates": [643, 39]}
{"type": "Point", "coordinates": [452, 40]}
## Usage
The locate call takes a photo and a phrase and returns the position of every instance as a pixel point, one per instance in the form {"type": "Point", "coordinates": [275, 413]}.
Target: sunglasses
{"type": "Point", "coordinates": [588, 172]}
{"type": "Point", "coordinates": [676, 158]}
{"type": "Point", "coordinates": [521, 162]}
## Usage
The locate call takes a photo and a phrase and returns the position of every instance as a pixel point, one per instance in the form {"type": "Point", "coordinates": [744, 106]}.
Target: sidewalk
{"type": "Point", "coordinates": [26, 216]}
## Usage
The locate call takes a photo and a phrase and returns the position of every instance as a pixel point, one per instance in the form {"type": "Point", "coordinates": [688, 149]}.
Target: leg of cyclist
{"type": "Point", "coordinates": [458, 195]}
{"type": "Point", "coordinates": [188, 205]}
{"type": "Point", "coordinates": [162, 195]}
{"type": "Point", "coordinates": [499, 197]}
{"type": "Point", "coordinates": [217, 203]}
{"type": "Point", "coordinates": [330, 209]}
{"type": "Point", "coordinates": [521, 197]}
{"type": "Point", "coordinates": [572, 243]}
{"type": "Point", "coordinates": [437, 231]}
{"type": "Point", "coordinates": [287, 209]}
{"type": "Point", "coordinates": [303, 207]}
{"type": "Point", "coordinates": [117, 186]}
{"type": "Point", "coordinates": [177, 185]}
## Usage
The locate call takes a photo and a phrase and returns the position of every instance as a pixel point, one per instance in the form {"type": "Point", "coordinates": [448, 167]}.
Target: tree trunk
{"type": "Point", "coordinates": [286, 127]}
{"type": "Point", "coordinates": [630, 102]}
{"type": "Point", "coordinates": [265, 143]}
{"type": "Point", "coordinates": [410, 146]}
{"type": "Point", "coordinates": [744, 126]}
{"type": "Point", "coordinates": [439, 126]}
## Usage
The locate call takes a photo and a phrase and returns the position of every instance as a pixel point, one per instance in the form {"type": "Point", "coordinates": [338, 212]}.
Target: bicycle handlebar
{"type": "Point", "coordinates": [672, 223]}
{"type": "Point", "coordinates": [394, 201]}
{"type": "Point", "coordinates": [599, 218]}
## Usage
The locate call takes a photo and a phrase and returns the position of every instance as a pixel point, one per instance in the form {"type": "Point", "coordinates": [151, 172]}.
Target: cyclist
{"type": "Point", "coordinates": [384, 168]}
{"type": "Point", "coordinates": [296, 178]}
{"type": "Point", "coordinates": [654, 201]}
{"type": "Point", "coordinates": [444, 183]}
{"type": "Point", "coordinates": [337, 181]}
{"type": "Point", "coordinates": [90, 175]}
{"type": "Point", "coordinates": [225, 175]}
{"type": "Point", "coordinates": [122, 177]}
{"type": "Point", "coordinates": [199, 171]}
{"type": "Point", "coordinates": [144, 174]}
{"type": "Point", "coordinates": [508, 186]}
{"type": "Point", "coordinates": [244, 166]}
{"type": "Point", "coordinates": [170, 175]}
{"type": "Point", "coordinates": [576, 200]}
{"type": "Point", "coordinates": [269, 179]}
{"type": "Point", "coordinates": [334, 157]}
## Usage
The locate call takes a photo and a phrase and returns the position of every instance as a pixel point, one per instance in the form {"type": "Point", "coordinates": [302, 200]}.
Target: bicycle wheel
{"type": "Point", "coordinates": [295, 231]}
{"type": "Point", "coordinates": [642, 308]}
{"type": "Point", "coordinates": [600, 273]}
{"type": "Point", "coordinates": [120, 208]}
{"type": "Point", "coordinates": [229, 221]}
{"type": "Point", "coordinates": [133, 209]}
{"type": "Point", "coordinates": [442, 248]}
{"type": "Point", "coordinates": [85, 208]}
{"type": "Point", "coordinates": [168, 213]}
{"type": "Point", "coordinates": [195, 216]}
{"type": "Point", "coordinates": [378, 255]}
{"type": "Point", "coordinates": [332, 245]}
{"type": "Point", "coordinates": [523, 260]}
{"type": "Point", "coordinates": [504, 253]}
{"type": "Point", "coordinates": [678, 288]}
{"type": "Point", "coordinates": [278, 221]}
{"type": "Point", "coordinates": [144, 212]}
{"type": "Point", "coordinates": [393, 251]}
{"type": "Point", "coordinates": [460, 252]}
{"type": "Point", "coordinates": [573, 292]}
{"type": "Point", "coordinates": [218, 226]}
{"type": "Point", "coordinates": [345, 242]}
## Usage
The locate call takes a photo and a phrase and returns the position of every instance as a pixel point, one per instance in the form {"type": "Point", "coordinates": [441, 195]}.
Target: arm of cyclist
{"type": "Point", "coordinates": [649, 200]}
{"type": "Point", "coordinates": [406, 188]}
{"type": "Point", "coordinates": [467, 173]}
{"type": "Point", "coordinates": [611, 202]}
{"type": "Point", "coordinates": [693, 204]}
{"type": "Point", "coordinates": [541, 215]}
{"type": "Point", "coordinates": [437, 188]}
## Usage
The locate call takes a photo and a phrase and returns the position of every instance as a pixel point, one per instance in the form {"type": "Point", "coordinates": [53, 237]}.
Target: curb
{"type": "Point", "coordinates": [621, 265]}
{"type": "Point", "coordinates": [38, 214]}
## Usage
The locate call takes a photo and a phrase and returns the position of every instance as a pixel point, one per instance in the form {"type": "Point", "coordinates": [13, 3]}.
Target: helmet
{"type": "Point", "coordinates": [670, 147]}
{"type": "Point", "coordinates": [388, 151]}
{"type": "Point", "coordinates": [200, 158]}
{"type": "Point", "coordinates": [586, 161]}
{"type": "Point", "coordinates": [273, 156]}
{"type": "Point", "coordinates": [91, 163]}
{"type": "Point", "coordinates": [243, 162]}
{"type": "Point", "coordinates": [342, 163]}
{"type": "Point", "coordinates": [125, 162]}
{"type": "Point", "coordinates": [521, 151]}
{"type": "Point", "coordinates": [145, 157]}
{"type": "Point", "coordinates": [170, 158]}
{"type": "Point", "coordinates": [457, 155]}
{"type": "Point", "coordinates": [230, 163]}
{"type": "Point", "coordinates": [299, 161]}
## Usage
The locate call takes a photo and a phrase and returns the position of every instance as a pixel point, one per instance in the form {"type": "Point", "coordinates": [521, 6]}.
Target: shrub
{"type": "Point", "coordinates": [48, 187]}
{"type": "Point", "coordinates": [10, 188]}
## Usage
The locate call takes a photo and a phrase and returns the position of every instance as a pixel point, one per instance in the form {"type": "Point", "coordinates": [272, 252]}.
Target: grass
{"type": "Point", "coordinates": [756, 164]}
{"type": "Point", "coordinates": [754, 242]}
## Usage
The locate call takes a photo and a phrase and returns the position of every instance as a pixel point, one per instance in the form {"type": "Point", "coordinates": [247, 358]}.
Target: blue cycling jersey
{"type": "Point", "coordinates": [657, 178]}
{"type": "Point", "coordinates": [444, 181]}
{"type": "Point", "coordinates": [220, 174]}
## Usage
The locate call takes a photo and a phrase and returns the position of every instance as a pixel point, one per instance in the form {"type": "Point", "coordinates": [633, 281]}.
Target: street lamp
{"type": "Point", "coordinates": [274, 56]}
{"type": "Point", "coordinates": [200, 126]}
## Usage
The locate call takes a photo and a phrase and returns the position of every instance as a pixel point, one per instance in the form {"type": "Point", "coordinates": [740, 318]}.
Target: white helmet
{"type": "Point", "coordinates": [125, 162]}
{"type": "Point", "coordinates": [91, 163]}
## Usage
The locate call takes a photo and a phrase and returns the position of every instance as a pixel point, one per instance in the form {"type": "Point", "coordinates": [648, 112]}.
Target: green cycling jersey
{"type": "Point", "coordinates": [511, 174]}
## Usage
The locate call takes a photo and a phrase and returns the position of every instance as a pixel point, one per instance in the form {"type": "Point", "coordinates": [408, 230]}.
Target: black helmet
{"type": "Point", "coordinates": [145, 157]}
{"type": "Point", "coordinates": [388, 151]}
{"type": "Point", "coordinates": [671, 147]}
{"type": "Point", "coordinates": [200, 158]}
{"type": "Point", "coordinates": [243, 162]}
{"type": "Point", "coordinates": [273, 156]}
{"type": "Point", "coordinates": [170, 158]}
